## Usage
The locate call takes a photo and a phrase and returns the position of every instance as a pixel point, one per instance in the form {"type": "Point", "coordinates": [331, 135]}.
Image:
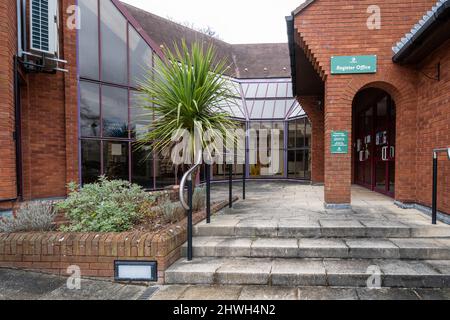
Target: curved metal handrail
{"type": "Point", "coordinates": [188, 176]}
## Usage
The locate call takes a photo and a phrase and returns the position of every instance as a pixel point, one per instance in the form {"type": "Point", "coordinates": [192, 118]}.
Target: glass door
{"type": "Point", "coordinates": [364, 154]}
{"type": "Point", "coordinates": [384, 162]}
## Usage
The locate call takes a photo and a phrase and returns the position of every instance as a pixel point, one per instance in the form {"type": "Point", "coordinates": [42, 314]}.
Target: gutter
{"type": "Point", "coordinates": [291, 43]}
{"type": "Point", "coordinates": [439, 17]}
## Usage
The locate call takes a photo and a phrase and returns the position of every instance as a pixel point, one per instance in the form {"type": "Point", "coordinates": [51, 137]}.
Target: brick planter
{"type": "Point", "coordinates": [95, 253]}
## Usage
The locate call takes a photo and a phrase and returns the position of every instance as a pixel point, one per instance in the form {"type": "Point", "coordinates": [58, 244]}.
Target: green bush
{"type": "Point", "coordinates": [106, 206]}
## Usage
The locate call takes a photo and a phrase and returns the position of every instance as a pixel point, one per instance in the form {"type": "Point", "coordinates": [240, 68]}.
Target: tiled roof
{"type": "Point", "coordinates": [418, 26]}
{"type": "Point", "coordinates": [247, 61]}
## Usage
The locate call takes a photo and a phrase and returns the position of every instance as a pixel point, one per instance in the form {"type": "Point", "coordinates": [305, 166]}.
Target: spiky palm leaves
{"type": "Point", "coordinates": [186, 91]}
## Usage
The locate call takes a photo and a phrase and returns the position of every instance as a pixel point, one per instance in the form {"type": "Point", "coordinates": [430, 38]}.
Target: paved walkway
{"type": "Point", "coordinates": [285, 200]}
{"type": "Point", "coordinates": [179, 292]}
{"type": "Point", "coordinates": [23, 285]}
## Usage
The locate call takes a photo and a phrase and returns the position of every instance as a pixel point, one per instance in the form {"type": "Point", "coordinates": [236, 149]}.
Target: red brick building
{"type": "Point", "coordinates": [395, 111]}
{"type": "Point", "coordinates": [62, 126]}
{"type": "Point", "coordinates": [76, 120]}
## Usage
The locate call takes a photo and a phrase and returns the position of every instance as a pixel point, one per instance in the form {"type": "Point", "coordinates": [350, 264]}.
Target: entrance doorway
{"type": "Point", "coordinates": [374, 136]}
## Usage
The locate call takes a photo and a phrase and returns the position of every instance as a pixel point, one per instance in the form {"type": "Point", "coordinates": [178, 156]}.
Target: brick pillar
{"type": "Point", "coordinates": [315, 115]}
{"type": "Point", "coordinates": [8, 188]}
{"type": "Point", "coordinates": [338, 117]}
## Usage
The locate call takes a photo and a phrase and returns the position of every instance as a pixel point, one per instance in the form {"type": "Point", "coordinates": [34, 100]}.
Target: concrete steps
{"type": "Point", "coordinates": [342, 248]}
{"type": "Point", "coordinates": [316, 229]}
{"type": "Point", "coordinates": [310, 272]}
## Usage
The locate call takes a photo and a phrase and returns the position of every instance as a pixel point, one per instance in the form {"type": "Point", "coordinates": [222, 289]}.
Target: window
{"type": "Point", "coordinates": [88, 40]}
{"type": "Point", "coordinates": [113, 31]}
{"type": "Point", "coordinates": [89, 109]}
{"type": "Point", "coordinates": [115, 112]}
{"type": "Point", "coordinates": [141, 58]}
{"type": "Point", "coordinates": [299, 155]}
{"type": "Point", "coordinates": [110, 112]}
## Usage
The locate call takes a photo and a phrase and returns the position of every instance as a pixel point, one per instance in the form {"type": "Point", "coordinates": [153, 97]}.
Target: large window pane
{"type": "Point", "coordinates": [292, 132]}
{"type": "Point", "coordinates": [115, 157]}
{"type": "Point", "coordinates": [140, 58]}
{"type": "Point", "coordinates": [300, 137]}
{"type": "Point", "coordinates": [142, 167]}
{"type": "Point", "coordinates": [115, 112]}
{"type": "Point", "coordinates": [141, 118]}
{"type": "Point", "coordinates": [90, 161]}
{"type": "Point", "coordinates": [88, 39]}
{"type": "Point", "coordinates": [89, 109]}
{"type": "Point", "coordinates": [114, 46]}
{"type": "Point", "coordinates": [164, 172]}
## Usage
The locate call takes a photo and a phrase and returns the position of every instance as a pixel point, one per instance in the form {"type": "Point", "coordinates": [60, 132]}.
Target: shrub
{"type": "Point", "coordinates": [171, 211]}
{"type": "Point", "coordinates": [32, 216]}
{"type": "Point", "coordinates": [199, 199]}
{"type": "Point", "coordinates": [106, 206]}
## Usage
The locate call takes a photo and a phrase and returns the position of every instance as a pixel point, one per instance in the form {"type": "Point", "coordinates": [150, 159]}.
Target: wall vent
{"type": "Point", "coordinates": [44, 26]}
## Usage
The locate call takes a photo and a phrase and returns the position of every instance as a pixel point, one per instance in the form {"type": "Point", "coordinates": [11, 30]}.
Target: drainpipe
{"type": "Point", "coordinates": [17, 130]}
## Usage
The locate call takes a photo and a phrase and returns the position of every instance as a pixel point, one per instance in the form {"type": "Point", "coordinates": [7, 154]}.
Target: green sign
{"type": "Point", "coordinates": [339, 142]}
{"type": "Point", "coordinates": [353, 64]}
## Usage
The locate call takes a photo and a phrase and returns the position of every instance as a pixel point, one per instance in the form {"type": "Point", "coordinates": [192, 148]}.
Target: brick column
{"type": "Point", "coordinates": [338, 117]}
{"type": "Point", "coordinates": [8, 49]}
{"type": "Point", "coordinates": [315, 115]}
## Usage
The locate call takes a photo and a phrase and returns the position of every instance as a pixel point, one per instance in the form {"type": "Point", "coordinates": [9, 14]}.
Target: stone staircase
{"type": "Point", "coordinates": [250, 246]}
{"type": "Point", "coordinates": [302, 253]}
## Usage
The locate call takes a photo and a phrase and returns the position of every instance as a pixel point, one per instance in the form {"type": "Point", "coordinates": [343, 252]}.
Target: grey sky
{"type": "Point", "coordinates": [236, 21]}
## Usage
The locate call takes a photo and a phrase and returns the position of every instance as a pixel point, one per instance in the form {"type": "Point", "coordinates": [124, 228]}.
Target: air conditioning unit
{"type": "Point", "coordinates": [44, 27]}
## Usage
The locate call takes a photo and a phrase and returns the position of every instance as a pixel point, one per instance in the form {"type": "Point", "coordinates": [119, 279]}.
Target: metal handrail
{"type": "Point", "coordinates": [188, 177]}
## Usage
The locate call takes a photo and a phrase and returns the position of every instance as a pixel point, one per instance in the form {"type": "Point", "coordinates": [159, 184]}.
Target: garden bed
{"type": "Point", "coordinates": [95, 252]}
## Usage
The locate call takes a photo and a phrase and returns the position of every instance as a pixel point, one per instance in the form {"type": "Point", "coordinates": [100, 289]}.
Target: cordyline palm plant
{"type": "Point", "coordinates": [186, 91]}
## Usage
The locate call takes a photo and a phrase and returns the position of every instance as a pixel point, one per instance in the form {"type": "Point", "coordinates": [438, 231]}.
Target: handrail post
{"type": "Point", "coordinates": [244, 180]}
{"type": "Point", "coordinates": [435, 186]}
{"type": "Point", "coordinates": [230, 189]}
{"type": "Point", "coordinates": [189, 226]}
{"type": "Point", "coordinates": [208, 193]}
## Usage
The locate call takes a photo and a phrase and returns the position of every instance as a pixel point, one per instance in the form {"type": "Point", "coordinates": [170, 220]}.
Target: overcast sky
{"type": "Point", "coordinates": [235, 21]}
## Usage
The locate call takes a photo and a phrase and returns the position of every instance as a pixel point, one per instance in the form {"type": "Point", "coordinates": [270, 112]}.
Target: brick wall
{"type": "Point", "coordinates": [95, 253]}
{"type": "Point", "coordinates": [331, 27]}
{"type": "Point", "coordinates": [8, 47]}
{"type": "Point", "coordinates": [433, 127]}
{"type": "Point", "coordinates": [49, 117]}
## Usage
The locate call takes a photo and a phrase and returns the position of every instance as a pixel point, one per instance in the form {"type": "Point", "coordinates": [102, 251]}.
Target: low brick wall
{"type": "Point", "coordinates": [94, 253]}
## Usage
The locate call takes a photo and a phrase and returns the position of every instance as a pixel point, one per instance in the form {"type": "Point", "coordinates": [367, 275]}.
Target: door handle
{"type": "Point", "coordinates": [392, 152]}
{"type": "Point", "coordinates": [361, 156]}
{"type": "Point", "coordinates": [384, 153]}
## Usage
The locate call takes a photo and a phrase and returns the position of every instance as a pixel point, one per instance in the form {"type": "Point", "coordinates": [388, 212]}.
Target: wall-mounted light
{"type": "Point", "coordinates": [448, 153]}
{"type": "Point", "coordinates": [135, 270]}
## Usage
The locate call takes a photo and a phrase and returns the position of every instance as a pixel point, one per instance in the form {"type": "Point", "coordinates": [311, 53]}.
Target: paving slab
{"type": "Point", "coordinates": [433, 294]}
{"type": "Point", "coordinates": [244, 271]}
{"type": "Point", "coordinates": [423, 248]}
{"type": "Point", "coordinates": [372, 248]}
{"type": "Point", "coordinates": [322, 247]}
{"type": "Point", "coordinates": [237, 247]}
{"type": "Point", "coordinates": [327, 293]}
{"type": "Point", "coordinates": [347, 272]}
{"type": "Point", "coordinates": [341, 228]}
{"type": "Point", "coordinates": [211, 293]}
{"type": "Point", "coordinates": [169, 292]}
{"type": "Point", "coordinates": [386, 294]}
{"type": "Point", "coordinates": [274, 247]}
{"type": "Point", "coordinates": [198, 271]}
{"type": "Point", "coordinates": [261, 293]}
{"type": "Point", "coordinates": [298, 272]}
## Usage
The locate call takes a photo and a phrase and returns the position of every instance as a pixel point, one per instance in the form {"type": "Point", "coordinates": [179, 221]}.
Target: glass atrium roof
{"type": "Point", "coordinates": [263, 100]}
